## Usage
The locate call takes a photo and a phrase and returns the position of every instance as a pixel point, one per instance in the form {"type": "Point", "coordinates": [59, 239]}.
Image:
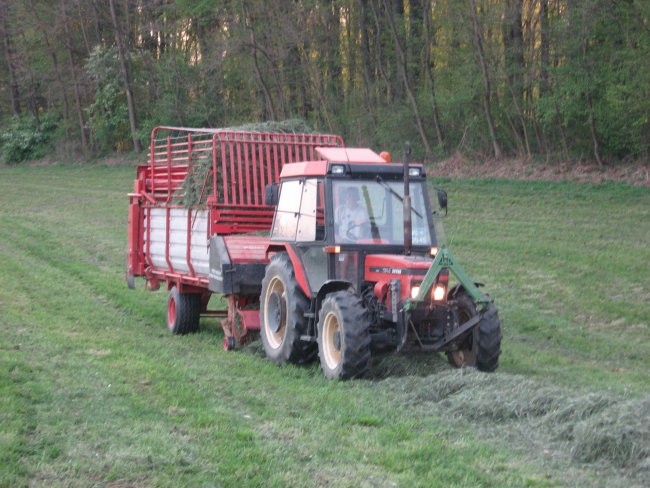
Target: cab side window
{"type": "Point", "coordinates": [297, 214]}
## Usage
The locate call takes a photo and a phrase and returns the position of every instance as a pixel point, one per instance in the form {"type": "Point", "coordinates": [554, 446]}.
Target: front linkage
{"type": "Point", "coordinates": [444, 260]}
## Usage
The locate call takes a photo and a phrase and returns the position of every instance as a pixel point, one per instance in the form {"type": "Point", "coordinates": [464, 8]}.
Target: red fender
{"type": "Point", "coordinates": [296, 262]}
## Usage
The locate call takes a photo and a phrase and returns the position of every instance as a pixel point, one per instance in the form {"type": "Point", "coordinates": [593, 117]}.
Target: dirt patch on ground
{"type": "Point", "coordinates": [457, 166]}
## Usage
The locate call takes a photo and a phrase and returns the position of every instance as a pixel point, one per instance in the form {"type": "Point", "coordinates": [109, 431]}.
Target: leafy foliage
{"type": "Point", "coordinates": [107, 114]}
{"type": "Point", "coordinates": [26, 137]}
{"type": "Point", "coordinates": [551, 78]}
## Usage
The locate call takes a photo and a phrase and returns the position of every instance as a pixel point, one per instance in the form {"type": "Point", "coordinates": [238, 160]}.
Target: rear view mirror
{"type": "Point", "coordinates": [442, 200]}
{"type": "Point", "coordinates": [271, 194]}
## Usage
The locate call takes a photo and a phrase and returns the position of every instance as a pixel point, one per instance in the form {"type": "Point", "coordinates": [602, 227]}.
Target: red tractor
{"type": "Point", "coordinates": [351, 265]}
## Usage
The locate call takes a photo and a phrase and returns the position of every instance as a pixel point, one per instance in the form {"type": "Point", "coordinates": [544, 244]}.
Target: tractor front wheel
{"type": "Point", "coordinates": [465, 352]}
{"type": "Point", "coordinates": [183, 312]}
{"type": "Point", "coordinates": [343, 336]}
{"type": "Point", "coordinates": [489, 340]}
{"type": "Point", "coordinates": [481, 346]}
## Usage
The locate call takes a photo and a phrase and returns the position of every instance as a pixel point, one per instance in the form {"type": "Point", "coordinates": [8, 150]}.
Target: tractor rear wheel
{"type": "Point", "coordinates": [183, 312]}
{"type": "Point", "coordinates": [481, 347]}
{"type": "Point", "coordinates": [282, 314]}
{"type": "Point", "coordinates": [343, 336]}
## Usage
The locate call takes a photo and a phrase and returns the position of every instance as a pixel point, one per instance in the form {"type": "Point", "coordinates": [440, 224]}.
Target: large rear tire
{"type": "Point", "coordinates": [282, 314]}
{"type": "Point", "coordinates": [183, 312]}
{"type": "Point", "coordinates": [481, 347]}
{"type": "Point", "coordinates": [343, 336]}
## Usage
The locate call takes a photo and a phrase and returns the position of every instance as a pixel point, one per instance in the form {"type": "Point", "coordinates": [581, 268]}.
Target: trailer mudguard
{"type": "Point", "coordinates": [229, 275]}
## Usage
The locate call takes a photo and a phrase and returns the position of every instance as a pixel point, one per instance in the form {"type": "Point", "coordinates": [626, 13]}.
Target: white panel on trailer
{"type": "Point", "coordinates": [179, 223]}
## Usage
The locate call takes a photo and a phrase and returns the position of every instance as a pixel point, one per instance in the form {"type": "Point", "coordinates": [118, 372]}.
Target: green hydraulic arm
{"type": "Point", "coordinates": [444, 259]}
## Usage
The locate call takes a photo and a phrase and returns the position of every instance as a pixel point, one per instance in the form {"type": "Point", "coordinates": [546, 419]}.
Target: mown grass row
{"type": "Point", "coordinates": [93, 390]}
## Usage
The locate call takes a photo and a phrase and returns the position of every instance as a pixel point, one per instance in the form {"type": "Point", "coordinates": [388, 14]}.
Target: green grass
{"type": "Point", "coordinates": [95, 392]}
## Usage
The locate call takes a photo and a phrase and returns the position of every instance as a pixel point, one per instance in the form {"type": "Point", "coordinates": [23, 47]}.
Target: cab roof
{"type": "Point", "coordinates": [349, 156]}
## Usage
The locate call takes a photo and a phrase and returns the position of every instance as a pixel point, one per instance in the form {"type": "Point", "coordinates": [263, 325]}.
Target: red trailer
{"type": "Point", "coordinates": [201, 197]}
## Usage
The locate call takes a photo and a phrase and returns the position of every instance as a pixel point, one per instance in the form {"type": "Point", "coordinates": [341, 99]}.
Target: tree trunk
{"type": "Point", "coordinates": [513, 43]}
{"type": "Point", "coordinates": [395, 8]}
{"type": "Point", "coordinates": [14, 93]}
{"type": "Point", "coordinates": [592, 130]}
{"type": "Point", "coordinates": [121, 53]}
{"type": "Point", "coordinates": [268, 99]}
{"type": "Point", "coordinates": [55, 64]}
{"type": "Point", "coordinates": [379, 55]}
{"type": "Point", "coordinates": [75, 81]}
{"type": "Point", "coordinates": [428, 69]}
{"type": "Point", "coordinates": [414, 42]}
{"type": "Point", "coordinates": [478, 40]}
{"type": "Point", "coordinates": [364, 48]}
{"type": "Point", "coordinates": [401, 57]}
{"type": "Point", "coordinates": [545, 57]}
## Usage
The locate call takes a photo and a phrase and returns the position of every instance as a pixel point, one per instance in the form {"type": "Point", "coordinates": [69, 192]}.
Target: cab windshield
{"type": "Point", "coordinates": [372, 211]}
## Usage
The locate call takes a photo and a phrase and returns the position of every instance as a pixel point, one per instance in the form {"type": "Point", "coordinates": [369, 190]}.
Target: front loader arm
{"type": "Point", "coordinates": [445, 260]}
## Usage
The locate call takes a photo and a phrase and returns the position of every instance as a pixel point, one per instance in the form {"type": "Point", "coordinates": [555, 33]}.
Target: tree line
{"type": "Point", "coordinates": [553, 79]}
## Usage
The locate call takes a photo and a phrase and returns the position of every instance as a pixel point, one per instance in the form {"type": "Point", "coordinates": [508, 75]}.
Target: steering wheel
{"type": "Point", "coordinates": [351, 227]}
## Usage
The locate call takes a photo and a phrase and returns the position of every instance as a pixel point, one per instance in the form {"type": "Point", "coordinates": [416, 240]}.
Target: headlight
{"type": "Point", "coordinates": [439, 292]}
{"type": "Point", "coordinates": [415, 291]}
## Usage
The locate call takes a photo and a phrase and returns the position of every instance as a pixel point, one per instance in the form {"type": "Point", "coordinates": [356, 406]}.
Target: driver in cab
{"type": "Point", "coordinates": [350, 218]}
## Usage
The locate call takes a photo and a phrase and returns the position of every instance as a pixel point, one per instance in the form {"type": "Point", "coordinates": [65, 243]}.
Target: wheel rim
{"type": "Point", "coordinates": [171, 313]}
{"type": "Point", "coordinates": [465, 355]}
{"type": "Point", "coordinates": [331, 340]}
{"type": "Point", "coordinates": [273, 315]}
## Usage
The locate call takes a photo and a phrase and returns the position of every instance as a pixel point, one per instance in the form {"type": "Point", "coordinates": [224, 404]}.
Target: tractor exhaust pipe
{"type": "Point", "coordinates": [408, 233]}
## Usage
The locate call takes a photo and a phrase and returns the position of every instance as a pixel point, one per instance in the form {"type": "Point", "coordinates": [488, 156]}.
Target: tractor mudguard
{"type": "Point", "coordinates": [296, 262]}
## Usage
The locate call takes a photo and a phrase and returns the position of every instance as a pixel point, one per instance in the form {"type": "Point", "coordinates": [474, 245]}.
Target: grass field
{"type": "Point", "coordinates": [95, 392]}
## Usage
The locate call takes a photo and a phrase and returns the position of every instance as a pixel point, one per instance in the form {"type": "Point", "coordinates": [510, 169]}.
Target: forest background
{"type": "Point", "coordinates": [551, 80]}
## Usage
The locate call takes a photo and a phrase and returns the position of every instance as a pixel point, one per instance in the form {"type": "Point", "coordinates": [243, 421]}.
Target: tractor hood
{"type": "Point", "coordinates": [382, 269]}
{"type": "Point", "coordinates": [395, 265]}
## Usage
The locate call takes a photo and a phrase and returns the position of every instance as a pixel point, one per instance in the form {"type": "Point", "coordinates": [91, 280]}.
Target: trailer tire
{"type": "Point", "coordinates": [282, 314]}
{"type": "Point", "coordinates": [480, 348]}
{"type": "Point", "coordinates": [343, 336]}
{"type": "Point", "coordinates": [183, 312]}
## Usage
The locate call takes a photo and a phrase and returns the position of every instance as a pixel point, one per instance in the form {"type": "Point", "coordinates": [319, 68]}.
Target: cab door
{"type": "Point", "coordinates": [300, 218]}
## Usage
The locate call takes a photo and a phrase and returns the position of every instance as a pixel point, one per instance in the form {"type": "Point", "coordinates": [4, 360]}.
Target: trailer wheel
{"type": "Point", "coordinates": [343, 336]}
{"type": "Point", "coordinates": [482, 346]}
{"type": "Point", "coordinates": [282, 314]}
{"type": "Point", "coordinates": [183, 312]}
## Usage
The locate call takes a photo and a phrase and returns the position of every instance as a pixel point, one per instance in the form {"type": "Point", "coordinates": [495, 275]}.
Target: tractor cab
{"type": "Point", "coordinates": [349, 206]}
